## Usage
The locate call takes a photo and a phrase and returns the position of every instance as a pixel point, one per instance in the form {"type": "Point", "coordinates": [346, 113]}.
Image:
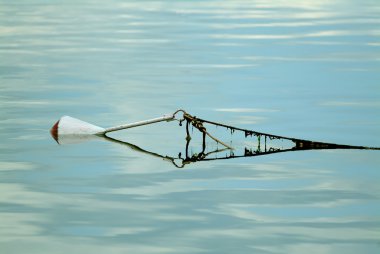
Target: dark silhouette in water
{"type": "Point", "coordinates": [263, 144]}
{"type": "Point", "coordinates": [187, 158]}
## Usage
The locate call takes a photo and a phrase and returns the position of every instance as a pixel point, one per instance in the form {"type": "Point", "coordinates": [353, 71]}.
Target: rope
{"type": "Point", "coordinates": [190, 118]}
{"type": "Point", "coordinates": [198, 124]}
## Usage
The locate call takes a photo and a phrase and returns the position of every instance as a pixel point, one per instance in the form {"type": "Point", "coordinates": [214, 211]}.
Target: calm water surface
{"type": "Point", "coordinates": [306, 69]}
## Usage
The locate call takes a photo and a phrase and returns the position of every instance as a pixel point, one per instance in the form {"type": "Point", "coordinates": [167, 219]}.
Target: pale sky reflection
{"type": "Point", "coordinates": [253, 64]}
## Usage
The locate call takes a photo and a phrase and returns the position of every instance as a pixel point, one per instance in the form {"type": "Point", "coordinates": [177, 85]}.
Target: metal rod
{"type": "Point", "coordinates": [140, 123]}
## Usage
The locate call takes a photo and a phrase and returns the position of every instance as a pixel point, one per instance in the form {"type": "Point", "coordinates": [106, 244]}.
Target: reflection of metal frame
{"type": "Point", "coordinates": [180, 162]}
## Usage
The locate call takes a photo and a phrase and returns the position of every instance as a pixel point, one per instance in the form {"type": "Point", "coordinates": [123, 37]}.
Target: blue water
{"type": "Point", "coordinates": [304, 69]}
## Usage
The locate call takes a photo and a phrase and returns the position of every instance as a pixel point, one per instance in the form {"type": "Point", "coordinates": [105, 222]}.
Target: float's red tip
{"type": "Point", "coordinates": [54, 131]}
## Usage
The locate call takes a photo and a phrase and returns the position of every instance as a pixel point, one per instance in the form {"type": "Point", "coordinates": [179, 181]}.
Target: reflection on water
{"type": "Point", "coordinates": [305, 69]}
{"type": "Point", "coordinates": [72, 132]}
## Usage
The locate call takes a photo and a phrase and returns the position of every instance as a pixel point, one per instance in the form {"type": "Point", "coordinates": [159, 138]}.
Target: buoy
{"type": "Point", "coordinates": [73, 130]}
